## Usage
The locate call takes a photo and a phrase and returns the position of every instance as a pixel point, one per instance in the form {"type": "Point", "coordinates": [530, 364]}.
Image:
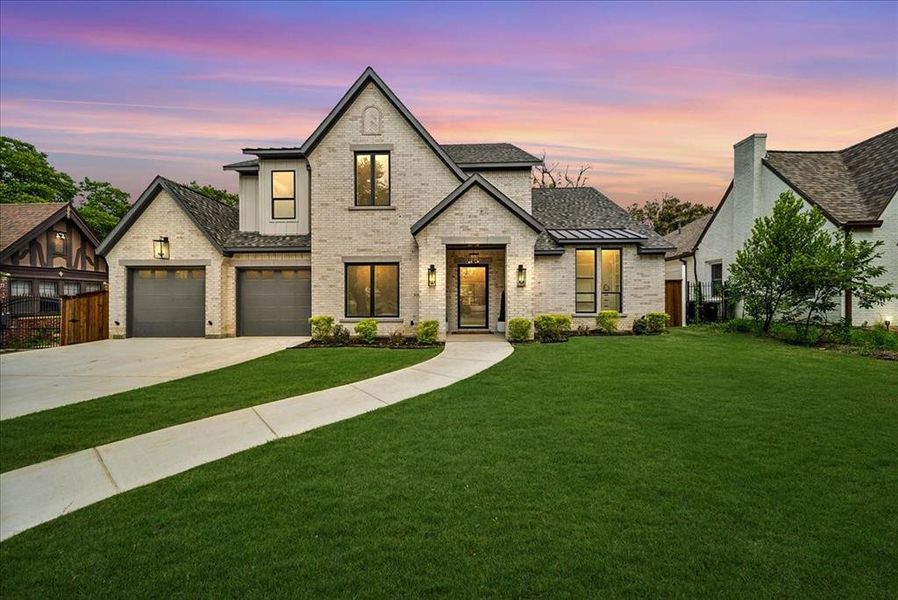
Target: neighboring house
{"type": "Point", "coordinates": [48, 251]}
{"type": "Point", "coordinates": [855, 188]}
{"type": "Point", "coordinates": [371, 218]}
{"type": "Point", "coordinates": [680, 264]}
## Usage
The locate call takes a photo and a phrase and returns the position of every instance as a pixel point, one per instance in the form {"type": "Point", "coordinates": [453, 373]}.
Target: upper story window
{"type": "Point", "coordinates": [611, 280]}
{"type": "Point", "coordinates": [283, 194]}
{"type": "Point", "coordinates": [59, 243]}
{"type": "Point", "coordinates": [716, 278]}
{"type": "Point", "coordinates": [372, 179]}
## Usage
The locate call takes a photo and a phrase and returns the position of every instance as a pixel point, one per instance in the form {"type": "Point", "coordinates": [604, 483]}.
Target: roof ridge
{"type": "Point", "coordinates": [198, 193]}
{"type": "Point", "coordinates": [851, 147]}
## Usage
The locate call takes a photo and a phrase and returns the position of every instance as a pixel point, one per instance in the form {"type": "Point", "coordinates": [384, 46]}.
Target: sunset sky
{"type": "Point", "coordinates": [653, 96]}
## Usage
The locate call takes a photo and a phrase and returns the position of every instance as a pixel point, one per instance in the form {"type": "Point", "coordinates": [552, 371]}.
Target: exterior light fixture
{"type": "Point", "coordinates": [522, 276]}
{"type": "Point", "coordinates": [60, 235]}
{"type": "Point", "coordinates": [160, 248]}
{"type": "Point", "coordinates": [432, 276]}
{"type": "Point", "coordinates": [887, 323]}
{"type": "Point", "coordinates": [474, 257]}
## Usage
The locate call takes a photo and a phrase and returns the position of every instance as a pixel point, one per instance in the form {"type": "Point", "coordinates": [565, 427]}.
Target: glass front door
{"type": "Point", "coordinates": [473, 296]}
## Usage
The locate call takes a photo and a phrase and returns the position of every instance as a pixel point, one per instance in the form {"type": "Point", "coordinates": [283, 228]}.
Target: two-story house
{"type": "Point", "coordinates": [371, 218]}
{"type": "Point", "coordinates": [855, 188]}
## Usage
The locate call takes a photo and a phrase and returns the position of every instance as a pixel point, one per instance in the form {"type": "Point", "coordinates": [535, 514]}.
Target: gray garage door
{"type": "Point", "coordinates": [167, 302]}
{"type": "Point", "coordinates": [274, 301]}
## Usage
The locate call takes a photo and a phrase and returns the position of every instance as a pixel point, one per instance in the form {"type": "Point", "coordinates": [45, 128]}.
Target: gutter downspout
{"type": "Point", "coordinates": [309, 171]}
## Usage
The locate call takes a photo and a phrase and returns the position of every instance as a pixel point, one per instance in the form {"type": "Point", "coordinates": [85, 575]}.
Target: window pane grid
{"type": "Point", "coordinates": [611, 280]}
{"type": "Point", "coordinates": [585, 281]}
{"type": "Point", "coordinates": [283, 194]}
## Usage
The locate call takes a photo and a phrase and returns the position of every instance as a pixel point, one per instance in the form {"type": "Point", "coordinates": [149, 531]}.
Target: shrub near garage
{"type": "Point", "coordinates": [551, 328]}
{"type": "Point", "coordinates": [322, 327]}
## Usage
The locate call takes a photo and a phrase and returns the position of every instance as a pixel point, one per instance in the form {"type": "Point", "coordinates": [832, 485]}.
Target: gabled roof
{"type": "Point", "coordinates": [490, 156]}
{"type": "Point", "coordinates": [685, 239]}
{"type": "Point", "coordinates": [214, 219]}
{"type": "Point", "coordinates": [21, 223]}
{"type": "Point", "coordinates": [369, 76]}
{"type": "Point", "coordinates": [491, 190]}
{"type": "Point", "coordinates": [586, 208]}
{"type": "Point", "coordinates": [852, 186]}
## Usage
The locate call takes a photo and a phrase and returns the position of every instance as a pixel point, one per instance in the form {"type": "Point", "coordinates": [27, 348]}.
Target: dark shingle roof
{"type": "Point", "coordinates": [17, 220]}
{"type": "Point", "coordinates": [585, 208]}
{"type": "Point", "coordinates": [850, 185]}
{"type": "Point", "coordinates": [466, 155]}
{"type": "Point", "coordinates": [215, 219]}
{"type": "Point", "coordinates": [686, 237]}
{"type": "Point", "coordinates": [252, 240]}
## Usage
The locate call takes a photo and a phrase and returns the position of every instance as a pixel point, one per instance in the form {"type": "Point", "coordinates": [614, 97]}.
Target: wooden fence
{"type": "Point", "coordinates": [85, 318]}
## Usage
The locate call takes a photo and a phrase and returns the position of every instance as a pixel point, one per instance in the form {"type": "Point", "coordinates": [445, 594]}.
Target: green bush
{"type": "Point", "coordinates": [427, 332]}
{"type": "Point", "coordinates": [640, 326]}
{"type": "Point", "coordinates": [366, 329]}
{"type": "Point", "coordinates": [740, 326]}
{"type": "Point", "coordinates": [322, 327]}
{"type": "Point", "coordinates": [656, 322]}
{"type": "Point", "coordinates": [519, 329]}
{"type": "Point", "coordinates": [606, 321]}
{"type": "Point", "coordinates": [551, 328]}
{"type": "Point", "coordinates": [874, 338]}
{"type": "Point", "coordinates": [341, 335]}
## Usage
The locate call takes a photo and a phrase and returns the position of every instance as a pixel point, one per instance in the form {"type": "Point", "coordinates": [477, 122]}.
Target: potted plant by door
{"type": "Point", "coordinates": [500, 325]}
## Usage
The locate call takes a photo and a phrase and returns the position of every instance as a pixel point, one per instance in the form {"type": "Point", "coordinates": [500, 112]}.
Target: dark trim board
{"type": "Point", "coordinates": [486, 293]}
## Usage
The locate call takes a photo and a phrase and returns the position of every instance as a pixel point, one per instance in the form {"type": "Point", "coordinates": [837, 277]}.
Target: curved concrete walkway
{"type": "Point", "coordinates": [39, 493]}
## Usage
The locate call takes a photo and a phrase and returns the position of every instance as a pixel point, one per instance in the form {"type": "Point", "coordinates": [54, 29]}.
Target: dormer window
{"type": "Point", "coordinates": [283, 194]}
{"type": "Point", "coordinates": [372, 178]}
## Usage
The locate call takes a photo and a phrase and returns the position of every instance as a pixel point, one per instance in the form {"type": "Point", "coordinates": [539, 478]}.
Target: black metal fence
{"type": "Point", "coordinates": [709, 302]}
{"type": "Point", "coordinates": [30, 322]}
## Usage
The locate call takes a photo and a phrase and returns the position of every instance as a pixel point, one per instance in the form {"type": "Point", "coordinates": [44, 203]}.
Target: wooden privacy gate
{"type": "Point", "coordinates": [85, 318]}
{"type": "Point", "coordinates": [673, 301]}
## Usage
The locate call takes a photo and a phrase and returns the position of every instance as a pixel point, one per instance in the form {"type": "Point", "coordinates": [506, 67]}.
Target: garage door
{"type": "Point", "coordinates": [274, 301]}
{"type": "Point", "coordinates": [167, 302]}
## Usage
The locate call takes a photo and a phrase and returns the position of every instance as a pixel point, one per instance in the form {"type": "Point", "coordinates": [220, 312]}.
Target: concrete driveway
{"type": "Point", "coordinates": [41, 379]}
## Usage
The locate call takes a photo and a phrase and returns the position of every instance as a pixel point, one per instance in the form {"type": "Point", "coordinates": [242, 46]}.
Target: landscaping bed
{"type": "Point", "coordinates": [405, 343]}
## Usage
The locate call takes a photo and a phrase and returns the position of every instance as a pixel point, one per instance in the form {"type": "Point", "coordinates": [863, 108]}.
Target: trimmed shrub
{"type": "Point", "coordinates": [656, 322]}
{"type": "Point", "coordinates": [551, 328]}
{"type": "Point", "coordinates": [427, 332]}
{"type": "Point", "coordinates": [366, 329]}
{"type": "Point", "coordinates": [322, 327]}
{"type": "Point", "coordinates": [606, 321]}
{"type": "Point", "coordinates": [640, 326]}
{"type": "Point", "coordinates": [341, 335]}
{"type": "Point", "coordinates": [519, 329]}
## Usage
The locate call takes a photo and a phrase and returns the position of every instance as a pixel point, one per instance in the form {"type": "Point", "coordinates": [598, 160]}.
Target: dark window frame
{"type": "Point", "coordinates": [486, 275]}
{"type": "Point", "coordinates": [716, 283]}
{"type": "Point", "coordinates": [372, 191]}
{"type": "Point", "coordinates": [371, 306]}
{"type": "Point", "coordinates": [620, 279]}
{"type": "Point", "coordinates": [595, 279]}
{"type": "Point", "coordinates": [292, 198]}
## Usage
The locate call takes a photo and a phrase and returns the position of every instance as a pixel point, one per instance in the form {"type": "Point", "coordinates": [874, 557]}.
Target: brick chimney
{"type": "Point", "coordinates": [747, 156]}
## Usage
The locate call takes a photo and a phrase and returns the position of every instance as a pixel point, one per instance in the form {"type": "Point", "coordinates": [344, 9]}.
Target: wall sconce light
{"type": "Point", "coordinates": [887, 323]}
{"type": "Point", "coordinates": [60, 235]}
{"type": "Point", "coordinates": [160, 248]}
{"type": "Point", "coordinates": [522, 276]}
{"type": "Point", "coordinates": [432, 276]}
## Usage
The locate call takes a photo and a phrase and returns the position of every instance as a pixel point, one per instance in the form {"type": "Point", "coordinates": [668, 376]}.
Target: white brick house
{"type": "Point", "coordinates": [855, 188]}
{"type": "Point", "coordinates": [371, 218]}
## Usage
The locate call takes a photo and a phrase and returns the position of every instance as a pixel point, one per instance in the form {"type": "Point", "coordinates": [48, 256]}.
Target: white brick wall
{"type": "Point", "coordinates": [514, 183]}
{"type": "Point", "coordinates": [643, 285]}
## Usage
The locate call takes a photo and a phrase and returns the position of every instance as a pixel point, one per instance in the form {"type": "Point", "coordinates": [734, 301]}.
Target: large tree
{"type": "Point", "coordinates": [223, 196]}
{"type": "Point", "coordinates": [26, 176]}
{"type": "Point", "coordinates": [667, 214]}
{"type": "Point", "coordinates": [793, 269]}
{"type": "Point", "coordinates": [102, 205]}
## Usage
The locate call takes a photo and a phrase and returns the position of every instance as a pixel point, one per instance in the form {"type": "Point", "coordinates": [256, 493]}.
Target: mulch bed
{"type": "Point", "coordinates": [408, 343]}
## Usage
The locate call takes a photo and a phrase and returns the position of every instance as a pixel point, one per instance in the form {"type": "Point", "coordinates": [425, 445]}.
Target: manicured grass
{"type": "Point", "coordinates": [691, 465]}
{"type": "Point", "coordinates": [40, 436]}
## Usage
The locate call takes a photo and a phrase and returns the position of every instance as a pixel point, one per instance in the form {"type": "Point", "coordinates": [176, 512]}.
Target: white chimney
{"type": "Point", "coordinates": [747, 156]}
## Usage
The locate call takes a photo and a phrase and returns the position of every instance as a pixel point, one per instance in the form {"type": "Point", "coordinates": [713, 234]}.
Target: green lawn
{"type": "Point", "coordinates": [691, 465]}
{"type": "Point", "coordinates": [44, 435]}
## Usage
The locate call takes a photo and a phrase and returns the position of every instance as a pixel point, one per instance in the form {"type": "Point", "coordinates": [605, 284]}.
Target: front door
{"type": "Point", "coordinates": [473, 297]}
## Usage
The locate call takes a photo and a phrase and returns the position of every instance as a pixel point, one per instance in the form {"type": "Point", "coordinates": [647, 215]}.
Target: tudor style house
{"type": "Point", "coordinates": [48, 251]}
{"type": "Point", "coordinates": [371, 218]}
{"type": "Point", "coordinates": [855, 188]}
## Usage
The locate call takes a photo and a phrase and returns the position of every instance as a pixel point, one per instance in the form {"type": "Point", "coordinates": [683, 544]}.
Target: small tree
{"type": "Point", "coordinates": [792, 268]}
{"type": "Point", "coordinates": [103, 205]}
